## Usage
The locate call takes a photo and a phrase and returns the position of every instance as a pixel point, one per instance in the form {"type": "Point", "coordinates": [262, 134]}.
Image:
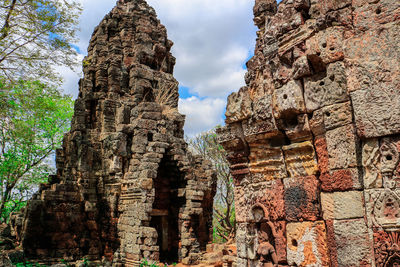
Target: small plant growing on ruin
{"type": "Point", "coordinates": [165, 95]}
{"type": "Point", "coordinates": [86, 61]}
{"type": "Point", "coordinates": [146, 263]}
{"type": "Point", "coordinates": [86, 262]}
{"type": "Point", "coordinates": [28, 264]}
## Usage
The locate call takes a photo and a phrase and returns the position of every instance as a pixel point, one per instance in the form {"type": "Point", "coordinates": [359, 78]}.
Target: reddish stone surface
{"type": "Point", "coordinates": [387, 248]}
{"type": "Point", "coordinates": [331, 243]}
{"type": "Point", "coordinates": [269, 195]}
{"type": "Point", "coordinates": [280, 241]}
{"type": "Point", "coordinates": [318, 121]}
{"type": "Point", "coordinates": [327, 76]}
{"type": "Point", "coordinates": [339, 180]}
{"type": "Point", "coordinates": [301, 199]}
{"type": "Point", "coordinates": [307, 244]}
{"type": "Point", "coordinates": [322, 154]}
{"type": "Point", "coordinates": [273, 199]}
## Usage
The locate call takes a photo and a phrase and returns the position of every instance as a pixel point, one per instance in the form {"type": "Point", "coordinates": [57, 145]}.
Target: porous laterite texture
{"type": "Point", "coordinates": [126, 187]}
{"type": "Point", "coordinates": [313, 138]}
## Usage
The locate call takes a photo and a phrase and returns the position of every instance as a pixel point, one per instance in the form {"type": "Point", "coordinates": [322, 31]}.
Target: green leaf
{"type": "Point", "coordinates": [39, 40]}
{"type": "Point", "coordinates": [31, 128]}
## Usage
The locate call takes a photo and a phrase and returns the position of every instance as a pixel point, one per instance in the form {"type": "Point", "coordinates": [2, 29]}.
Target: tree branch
{"type": "Point", "coordinates": [5, 30]}
{"type": "Point", "coordinates": [222, 235]}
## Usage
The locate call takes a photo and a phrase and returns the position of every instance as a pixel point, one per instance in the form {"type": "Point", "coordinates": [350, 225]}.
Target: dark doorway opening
{"type": "Point", "coordinates": [169, 199]}
{"type": "Point", "coordinates": [200, 231]}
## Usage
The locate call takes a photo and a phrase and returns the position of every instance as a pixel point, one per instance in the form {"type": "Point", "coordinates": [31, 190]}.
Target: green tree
{"type": "Point", "coordinates": [33, 118]}
{"type": "Point", "coordinates": [36, 36]}
{"type": "Point", "coordinates": [206, 144]}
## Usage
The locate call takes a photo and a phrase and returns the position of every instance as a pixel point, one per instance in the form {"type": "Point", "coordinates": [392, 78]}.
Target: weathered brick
{"type": "Point", "coordinates": [307, 244]}
{"type": "Point", "coordinates": [342, 205]}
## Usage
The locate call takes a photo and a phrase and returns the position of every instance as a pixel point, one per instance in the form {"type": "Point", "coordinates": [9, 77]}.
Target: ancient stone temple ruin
{"type": "Point", "coordinates": [126, 188]}
{"type": "Point", "coordinates": [314, 138]}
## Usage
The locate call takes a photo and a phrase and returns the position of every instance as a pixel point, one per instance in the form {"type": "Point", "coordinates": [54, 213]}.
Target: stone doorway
{"type": "Point", "coordinates": [169, 200]}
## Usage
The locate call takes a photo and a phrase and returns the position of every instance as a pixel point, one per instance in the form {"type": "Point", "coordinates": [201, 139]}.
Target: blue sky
{"type": "Point", "coordinates": [212, 42]}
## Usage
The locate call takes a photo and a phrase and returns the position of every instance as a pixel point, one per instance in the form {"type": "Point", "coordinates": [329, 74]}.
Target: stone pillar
{"type": "Point", "coordinates": [313, 137]}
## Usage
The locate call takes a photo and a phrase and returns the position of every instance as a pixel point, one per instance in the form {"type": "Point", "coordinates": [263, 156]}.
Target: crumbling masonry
{"type": "Point", "coordinates": [126, 188]}
{"type": "Point", "coordinates": [314, 138]}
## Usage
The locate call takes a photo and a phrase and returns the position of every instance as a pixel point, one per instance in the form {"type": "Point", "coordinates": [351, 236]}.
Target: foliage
{"type": "Point", "coordinates": [36, 36]}
{"type": "Point", "coordinates": [206, 144]}
{"type": "Point", "coordinates": [33, 118]}
{"type": "Point", "coordinates": [86, 263]}
{"type": "Point", "coordinates": [146, 263]}
{"type": "Point", "coordinates": [14, 205]}
{"type": "Point", "coordinates": [219, 236]}
{"type": "Point", "coordinates": [28, 264]}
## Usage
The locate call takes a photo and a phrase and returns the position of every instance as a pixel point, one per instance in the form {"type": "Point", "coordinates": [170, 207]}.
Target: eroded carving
{"type": "Point", "coordinates": [262, 238]}
{"type": "Point", "coordinates": [387, 248]}
{"type": "Point", "coordinates": [384, 208]}
{"type": "Point", "coordinates": [389, 161]}
{"type": "Point", "coordinates": [324, 85]}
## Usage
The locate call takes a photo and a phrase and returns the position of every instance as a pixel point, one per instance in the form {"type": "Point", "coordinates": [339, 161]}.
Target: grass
{"type": "Point", "coordinates": [165, 95]}
{"type": "Point", "coordinates": [29, 264]}
{"type": "Point", "coordinates": [146, 263]}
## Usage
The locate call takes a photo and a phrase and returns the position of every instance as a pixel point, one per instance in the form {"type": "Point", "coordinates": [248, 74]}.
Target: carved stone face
{"type": "Point", "coordinates": [258, 214]}
{"type": "Point", "coordinates": [265, 233]}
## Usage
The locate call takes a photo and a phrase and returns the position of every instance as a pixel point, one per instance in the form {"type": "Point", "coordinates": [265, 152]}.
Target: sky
{"type": "Point", "coordinates": [212, 42]}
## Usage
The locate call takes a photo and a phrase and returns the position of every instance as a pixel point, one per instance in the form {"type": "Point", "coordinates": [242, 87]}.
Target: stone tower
{"type": "Point", "coordinates": [314, 138]}
{"type": "Point", "coordinates": [126, 188]}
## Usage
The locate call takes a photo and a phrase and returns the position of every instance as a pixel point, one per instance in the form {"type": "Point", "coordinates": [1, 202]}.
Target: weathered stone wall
{"type": "Point", "coordinates": [126, 188]}
{"type": "Point", "coordinates": [314, 137]}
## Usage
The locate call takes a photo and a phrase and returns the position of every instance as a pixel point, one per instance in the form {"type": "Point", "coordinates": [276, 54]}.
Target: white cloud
{"type": "Point", "coordinates": [201, 114]}
{"type": "Point", "coordinates": [70, 79]}
{"type": "Point", "coordinates": [212, 40]}
{"type": "Point", "coordinates": [93, 12]}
